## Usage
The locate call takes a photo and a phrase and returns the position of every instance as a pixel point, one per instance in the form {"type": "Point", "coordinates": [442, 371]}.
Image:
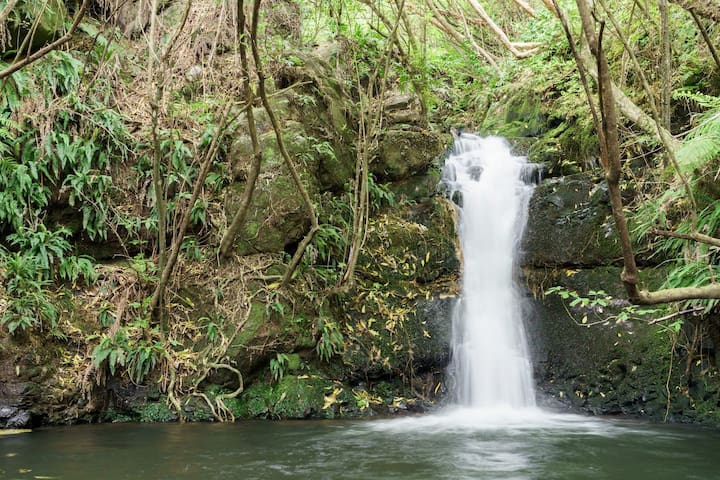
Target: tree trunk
{"type": "Point", "coordinates": [314, 226]}
{"type": "Point", "coordinates": [610, 150]}
{"type": "Point", "coordinates": [239, 218]}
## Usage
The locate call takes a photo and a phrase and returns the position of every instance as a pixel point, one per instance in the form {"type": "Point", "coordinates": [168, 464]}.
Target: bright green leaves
{"type": "Point", "coordinates": [278, 365]}
{"type": "Point", "coordinates": [331, 340]}
{"type": "Point", "coordinates": [41, 259]}
{"type": "Point", "coordinates": [127, 348]}
{"type": "Point", "coordinates": [29, 303]}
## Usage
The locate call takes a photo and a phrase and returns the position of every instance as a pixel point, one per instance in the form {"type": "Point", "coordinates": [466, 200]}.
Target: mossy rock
{"type": "Point", "coordinates": [406, 151]}
{"type": "Point", "coordinates": [606, 366]}
{"type": "Point", "coordinates": [292, 397]}
{"type": "Point", "coordinates": [416, 242]}
{"type": "Point", "coordinates": [570, 223]}
{"type": "Point", "coordinates": [277, 217]}
{"type": "Point", "coordinates": [326, 110]}
{"type": "Point", "coordinates": [396, 333]}
{"type": "Point", "coordinates": [417, 187]}
{"type": "Point", "coordinates": [156, 412]}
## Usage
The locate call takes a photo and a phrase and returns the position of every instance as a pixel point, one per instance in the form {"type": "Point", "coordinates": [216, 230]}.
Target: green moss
{"type": "Point", "coordinates": [113, 416]}
{"type": "Point", "coordinates": [156, 412]}
{"type": "Point", "coordinates": [255, 320]}
{"type": "Point", "coordinates": [294, 396]}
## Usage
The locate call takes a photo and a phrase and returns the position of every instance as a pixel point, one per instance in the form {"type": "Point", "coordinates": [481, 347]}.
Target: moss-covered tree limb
{"type": "Point", "coordinates": [241, 214]}
{"type": "Point", "coordinates": [314, 226]}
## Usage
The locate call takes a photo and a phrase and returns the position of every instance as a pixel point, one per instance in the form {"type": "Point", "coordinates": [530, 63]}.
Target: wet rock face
{"type": "Point", "coordinates": [587, 360]}
{"type": "Point", "coordinates": [18, 391]}
{"type": "Point", "coordinates": [570, 223]}
{"type": "Point", "coordinates": [13, 417]}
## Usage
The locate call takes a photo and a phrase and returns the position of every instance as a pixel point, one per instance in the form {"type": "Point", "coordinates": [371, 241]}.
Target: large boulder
{"type": "Point", "coordinates": [406, 151]}
{"type": "Point", "coordinates": [417, 242]}
{"type": "Point", "coordinates": [325, 108]}
{"type": "Point", "coordinates": [599, 359]}
{"type": "Point", "coordinates": [278, 216]}
{"type": "Point", "coordinates": [570, 223]}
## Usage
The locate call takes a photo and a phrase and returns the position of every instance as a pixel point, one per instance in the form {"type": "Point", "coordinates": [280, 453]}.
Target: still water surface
{"type": "Point", "coordinates": [461, 445]}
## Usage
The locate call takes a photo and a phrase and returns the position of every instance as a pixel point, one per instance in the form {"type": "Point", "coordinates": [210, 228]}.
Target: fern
{"type": "Point", "coordinates": [702, 144]}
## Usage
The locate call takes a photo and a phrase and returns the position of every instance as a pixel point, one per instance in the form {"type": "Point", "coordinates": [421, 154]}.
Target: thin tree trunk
{"type": "Point", "coordinates": [239, 218]}
{"type": "Point", "coordinates": [157, 75]}
{"type": "Point", "coordinates": [656, 114]}
{"type": "Point", "coordinates": [610, 149]}
{"type": "Point", "coordinates": [314, 227]}
{"type": "Point", "coordinates": [370, 125]}
{"type": "Point", "coordinates": [665, 65]}
{"type": "Point", "coordinates": [704, 8]}
{"type": "Point", "coordinates": [706, 37]}
{"type": "Point", "coordinates": [205, 165]}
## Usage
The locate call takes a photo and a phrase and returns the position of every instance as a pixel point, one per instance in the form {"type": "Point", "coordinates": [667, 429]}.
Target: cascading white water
{"type": "Point", "coordinates": [491, 364]}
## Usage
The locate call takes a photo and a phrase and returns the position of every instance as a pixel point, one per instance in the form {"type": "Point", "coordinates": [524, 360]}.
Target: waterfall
{"type": "Point", "coordinates": [490, 364]}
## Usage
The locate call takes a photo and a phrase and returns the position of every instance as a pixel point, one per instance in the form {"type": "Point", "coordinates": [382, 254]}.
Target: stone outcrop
{"type": "Point", "coordinates": [604, 358]}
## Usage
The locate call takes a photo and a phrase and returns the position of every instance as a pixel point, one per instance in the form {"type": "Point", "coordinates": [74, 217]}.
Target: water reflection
{"type": "Point", "coordinates": [452, 445]}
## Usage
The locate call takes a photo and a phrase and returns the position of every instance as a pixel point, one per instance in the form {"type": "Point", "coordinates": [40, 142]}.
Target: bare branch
{"type": "Point", "coordinates": [48, 48]}
{"type": "Point", "coordinates": [697, 237]}
{"type": "Point", "coordinates": [676, 314]}
{"type": "Point", "coordinates": [441, 24]}
{"type": "Point", "coordinates": [239, 218]}
{"type": "Point", "coordinates": [706, 37]}
{"type": "Point", "coordinates": [499, 32]}
{"type": "Point", "coordinates": [528, 9]}
{"type": "Point", "coordinates": [704, 8]}
{"type": "Point", "coordinates": [314, 226]}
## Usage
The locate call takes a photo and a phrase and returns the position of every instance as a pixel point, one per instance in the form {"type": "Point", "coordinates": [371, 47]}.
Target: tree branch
{"type": "Point", "coordinates": [314, 226]}
{"type": "Point", "coordinates": [48, 48]}
{"type": "Point", "coordinates": [239, 218]}
{"type": "Point", "coordinates": [697, 237]}
{"type": "Point", "coordinates": [706, 37]}
{"type": "Point", "coordinates": [704, 8]}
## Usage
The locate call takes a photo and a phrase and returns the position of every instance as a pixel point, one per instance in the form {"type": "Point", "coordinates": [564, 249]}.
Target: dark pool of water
{"type": "Point", "coordinates": [491, 445]}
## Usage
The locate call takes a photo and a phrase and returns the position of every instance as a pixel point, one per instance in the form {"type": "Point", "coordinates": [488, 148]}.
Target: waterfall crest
{"type": "Point", "coordinates": [491, 363]}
